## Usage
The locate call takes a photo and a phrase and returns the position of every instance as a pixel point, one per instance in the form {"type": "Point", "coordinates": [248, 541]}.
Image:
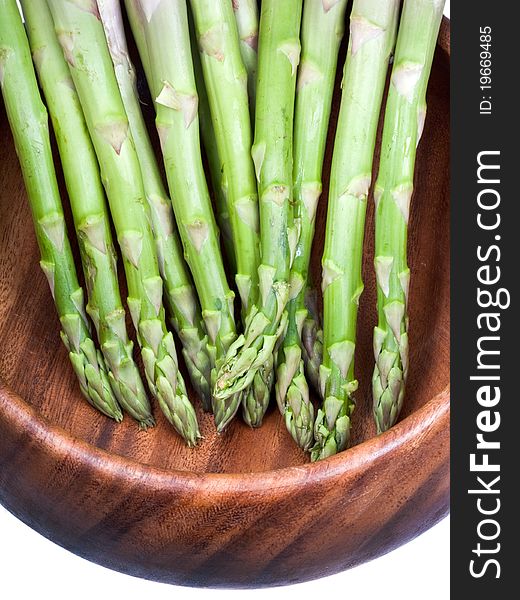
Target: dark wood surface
{"type": "Point", "coordinates": [245, 508]}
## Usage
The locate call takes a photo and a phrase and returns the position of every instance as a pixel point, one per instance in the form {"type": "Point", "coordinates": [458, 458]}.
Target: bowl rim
{"type": "Point", "coordinates": [435, 413]}
{"type": "Point", "coordinates": [60, 443]}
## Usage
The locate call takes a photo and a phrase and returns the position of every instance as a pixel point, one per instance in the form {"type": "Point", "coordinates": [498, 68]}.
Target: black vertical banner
{"type": "Point", "coordinates": [485, 365]}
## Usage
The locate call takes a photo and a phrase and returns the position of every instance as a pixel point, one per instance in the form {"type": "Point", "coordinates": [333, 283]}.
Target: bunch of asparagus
{"type": "Point", "coordinates": [256, 87]}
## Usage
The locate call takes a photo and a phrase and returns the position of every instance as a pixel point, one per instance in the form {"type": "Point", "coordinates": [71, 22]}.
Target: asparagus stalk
{"type": "Point", "coordinates": [258, 394]}
{"type": "Point", "coordinates": [133, 11]}
{"type": "Point", "coordinates": [224, 83]}
{"type": "Point", "coordinates": [89, 211]}
{"type": "Point", "coordinates": [404, 120]}
{"type": "Point", "coordinates": [279, 51]}
{"type": "Point", "coordinates": [180, 296]}
{"type": "Point", "coordinates": [209, 142]}
{"type": "Point", "coordinates": [225, 79]}
{"type": "Point", "coordinates": [135, 16]}
{"type": "Point", "coordinates": [165, 25]}
{"type": "Point", "coordinates": [372, 37]}
{"type": "Point", "coordinates": [215, 168]}
{"type": "Point", "coordinates": [29, 123]}
{"type": "Point", "coordinates": [246, 15]}
{"type": "Point", "coordinates": [322, 31]}
{"type": "Point", "coordinates": [82, 38]}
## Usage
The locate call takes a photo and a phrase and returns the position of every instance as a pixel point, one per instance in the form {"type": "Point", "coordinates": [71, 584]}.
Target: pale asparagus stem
{"type": "Point", "coordinates": [322, 31]}
{"type": "Point", "coordinates": [171, 79]}
{"type": "Point", "coordinates": [82, 38]}
{"type": "Point", "coordinates": [372, 36]}
{"type": "Point", "coordinates": [27, 117]}
{"type": "Point", "coordinates": [279, 51]}
{"type": "Point", "coordinates": [89, 210]}
{"type": "Point", "coordinates": [180, 296]}
{"type": "Point", "coordinates": [404, 120]}
{"type": "Point", "coordinates": [246, 15]}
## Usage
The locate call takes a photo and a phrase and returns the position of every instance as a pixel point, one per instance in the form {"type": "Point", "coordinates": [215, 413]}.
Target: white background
{"type": "Point", "coordinates": [32, 566]}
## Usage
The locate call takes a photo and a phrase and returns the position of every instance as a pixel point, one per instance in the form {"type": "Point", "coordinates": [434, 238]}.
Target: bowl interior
{"type": "Point", "coordinates": [34, 363]}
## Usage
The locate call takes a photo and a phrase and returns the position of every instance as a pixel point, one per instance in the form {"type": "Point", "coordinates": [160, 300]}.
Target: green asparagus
{"type": "Point", "coordinates": [172, 82]}
{"type": "Point", "coordinates": [246, 15]}
{"type": "Point", "coordinates": [321, 34]}
{"type": "Point", "coordinates": [404, 119]}
{"type": "Point", "coordinates": [89, 210]}
{"type": "Point", "coordinates": [180, 296]}
{"type": "Point", "coordinates": [215, 168]}
{"type": "Point", "coordinates": [29, 123]}
{"type": "Point", "coordinates": [372, 37]}
{"type": "Point", "coordinates": [225, 80]}
{"type": "Point", "coordinates": [82, 38]}
{"type": "Point", "coordinates": [133, 11]}
{"type": "Point", "coordinates": [279, 52]}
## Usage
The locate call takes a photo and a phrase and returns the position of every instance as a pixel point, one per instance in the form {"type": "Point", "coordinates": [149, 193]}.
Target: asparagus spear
{"type": "Point", "coordinates": [206, 127]}
{"type": "Point", "coordinates": [246, 15]}
{"type": "Point", "coordinates": [135, 16]}
{"type": "Point", "coordinates": [279, 51]}
{"type": "Point", "coordinates": [322, 31]}
{"type": "Point", "coordinates": [82, 38]}
{"type": "Point", "coordinates": [404, 120]}
{"type": "Point", "coordinates": [133, 11]}
{"type": "Point", "coordinates": [372, 36]}
{"type": "Point", "coordinates": [29, 123]}
{"type": "Point", "coordinates": [224, 77]}
{"type": "Point", "coordinates": [165, 25]}
{"type": "Point", "coordinates": [209, 142]}
{"type": "Point", "coordinates": [224, 83]}
{"type": "Point", "coordinates": [89, 211]}
{"type": "Point", "coordinates": [180, 296]}
{"type": "Point", "coordinates": [215, 168]}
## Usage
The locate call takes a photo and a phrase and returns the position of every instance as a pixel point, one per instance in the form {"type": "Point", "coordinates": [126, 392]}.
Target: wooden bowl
{"type": "Point", "coordinates": [245, 509]}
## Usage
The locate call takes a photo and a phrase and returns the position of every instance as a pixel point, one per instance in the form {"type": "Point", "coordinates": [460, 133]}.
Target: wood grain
{"type": "Point", "coordinates": [245, 508]}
